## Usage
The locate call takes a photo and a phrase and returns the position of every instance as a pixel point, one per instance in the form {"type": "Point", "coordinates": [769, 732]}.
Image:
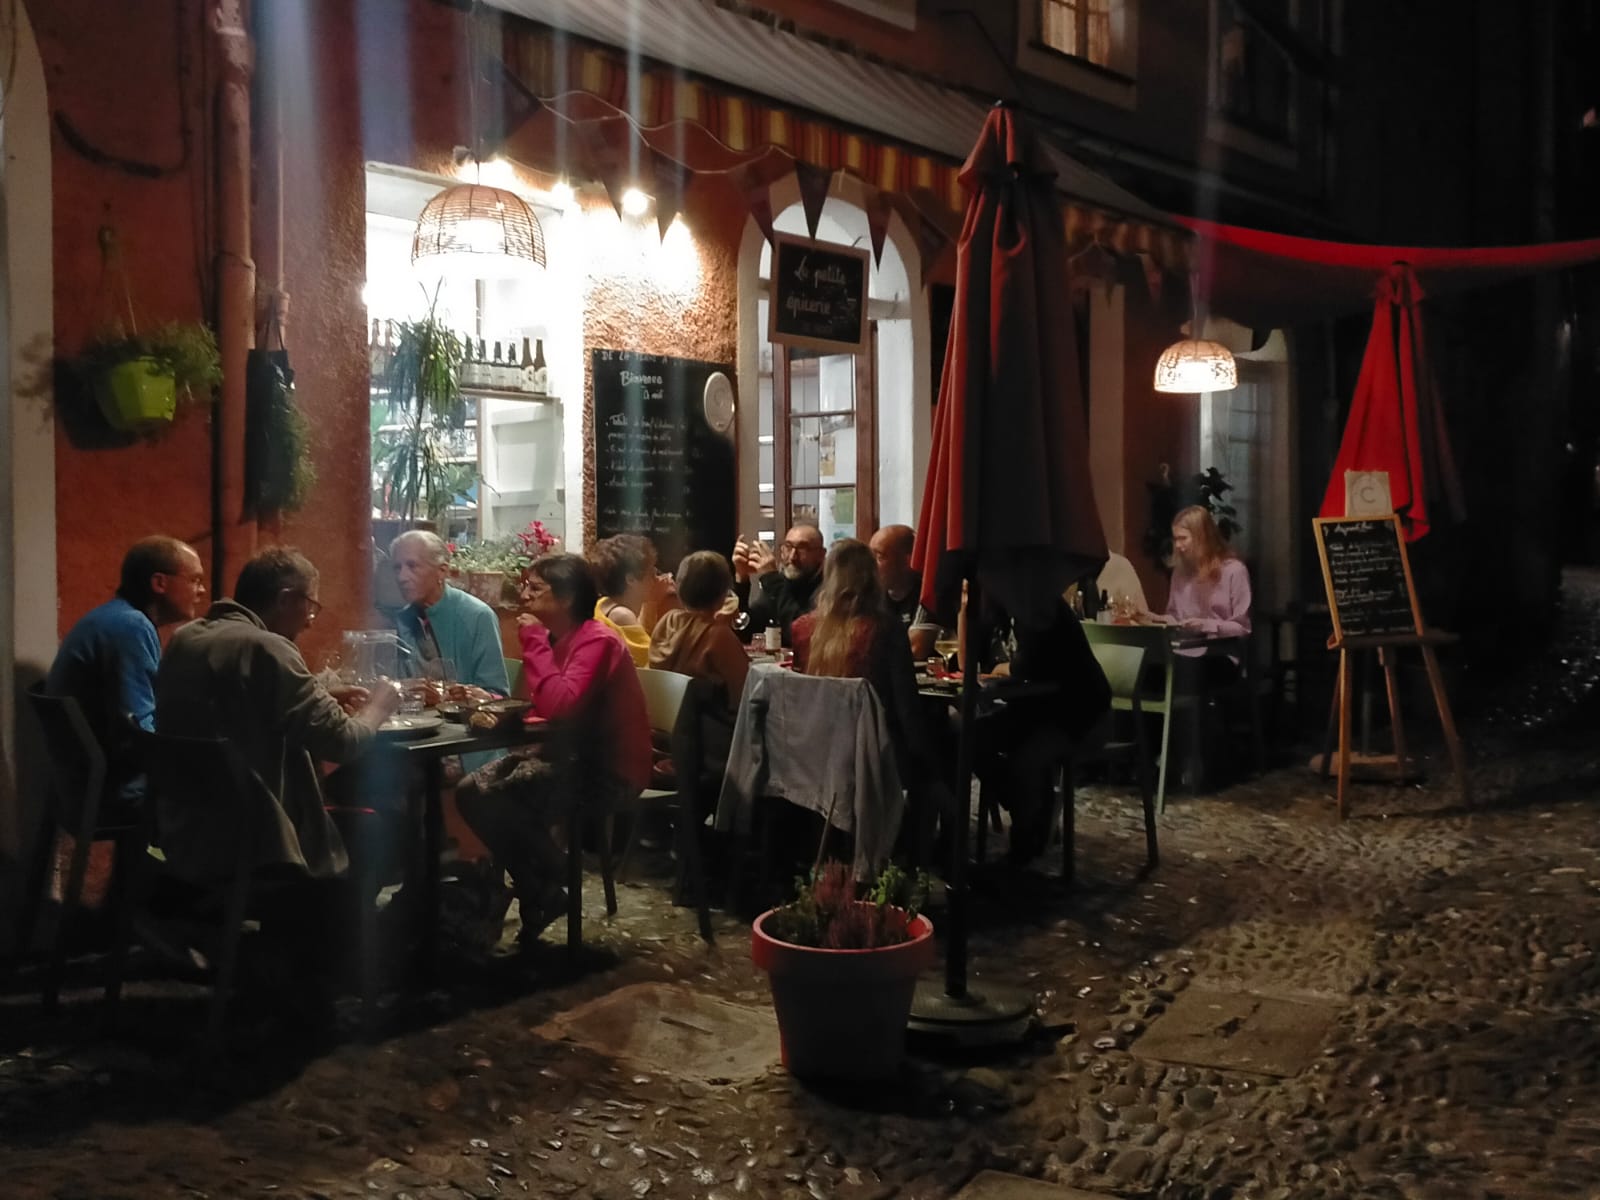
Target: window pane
{"type": "Point", "coordinates": [822, 450]}
{"type": "Point", "coordinates": [832, 510]}
{"type": "Point", "coordinates": [1058, 25]}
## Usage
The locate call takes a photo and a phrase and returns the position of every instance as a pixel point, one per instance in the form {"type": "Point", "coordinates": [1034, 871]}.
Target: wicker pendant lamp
{"type": "Point", "coordinates": [1196, 364]}
{"type": "Point", "coordinates": [481, 231]}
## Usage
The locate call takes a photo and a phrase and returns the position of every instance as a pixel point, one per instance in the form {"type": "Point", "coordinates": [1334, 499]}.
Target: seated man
{"type": "Point", "coordinates": [237, 674]}
{"type": "Point", "coordinates": [778, 589]}
{"type": "Point", "coordinates": [902, 587]}
{"type": "Point", "coordinates": [108, 660]}
{"type": "Point", "coordinates": [445, 628]}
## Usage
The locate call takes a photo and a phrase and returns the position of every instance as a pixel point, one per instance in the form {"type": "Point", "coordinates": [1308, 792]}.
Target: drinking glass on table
{"type": "Point", "coordinates": [948, 646]}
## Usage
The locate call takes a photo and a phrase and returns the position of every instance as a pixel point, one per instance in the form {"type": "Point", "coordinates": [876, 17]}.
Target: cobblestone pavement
{"type": "Point", "coordinates": [1455, 945]}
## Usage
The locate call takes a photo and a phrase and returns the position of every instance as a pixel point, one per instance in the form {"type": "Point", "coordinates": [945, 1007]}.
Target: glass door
{"type": "Point", "coordinates": [824, 441]}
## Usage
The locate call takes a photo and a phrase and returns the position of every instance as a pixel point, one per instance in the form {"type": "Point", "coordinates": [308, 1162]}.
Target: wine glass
{"type": "Point", "coordinates": [947, 645]}
{"type": "Point", "coordinates": [741, 621]}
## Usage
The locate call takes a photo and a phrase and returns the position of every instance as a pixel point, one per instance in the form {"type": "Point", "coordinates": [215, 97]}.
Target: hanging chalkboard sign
{"type": "Point", "coordinates": [659, 467]}
{"type": "Point", "coordinates": [1368, 576]}
{"type": "Point", "coordinates": [819, 295]}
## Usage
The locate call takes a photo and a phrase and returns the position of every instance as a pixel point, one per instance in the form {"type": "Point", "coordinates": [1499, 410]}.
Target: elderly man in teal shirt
{"type": "Point", "coordinates": [453, 635]}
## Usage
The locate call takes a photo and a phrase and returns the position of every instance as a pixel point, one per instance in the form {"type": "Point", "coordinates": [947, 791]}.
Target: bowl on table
{"type": "Point", "coordinates": [495, 715]}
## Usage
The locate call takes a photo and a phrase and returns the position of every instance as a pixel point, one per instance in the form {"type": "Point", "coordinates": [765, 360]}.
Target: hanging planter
{"type": "Point", "coordinates": [137, 395]}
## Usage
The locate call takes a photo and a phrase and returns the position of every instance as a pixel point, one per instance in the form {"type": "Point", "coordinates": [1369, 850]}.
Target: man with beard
{"type": "Point", "coordinates": [776, 590]}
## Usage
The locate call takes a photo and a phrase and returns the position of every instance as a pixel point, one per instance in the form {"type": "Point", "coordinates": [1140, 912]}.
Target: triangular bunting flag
{"type": "Point", "coordinates": [1153, 275]}
{"type": "Point", "coordinates": [813, 183]}
{"type": "Point", "coordinates": [879, 210]}
{"type": "Point", "coordinates": [761, 209]}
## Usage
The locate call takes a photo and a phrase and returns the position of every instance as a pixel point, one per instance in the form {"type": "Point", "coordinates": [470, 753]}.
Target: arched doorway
{"type": "Point", "coordinates": [837, 440]}
{"type": "Point", "coordinates": [27, 433]}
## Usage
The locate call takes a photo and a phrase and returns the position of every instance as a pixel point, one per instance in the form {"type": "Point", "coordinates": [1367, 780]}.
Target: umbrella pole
{"type": "Point", "coordinates": [994, 1014]}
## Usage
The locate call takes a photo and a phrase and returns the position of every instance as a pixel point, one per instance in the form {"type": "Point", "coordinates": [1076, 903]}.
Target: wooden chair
{"type": "Point", "coordinates": [1124, 670]}
{"type": "Point", "coordinates": [207, 775]}
{"type": "Point", "coordinates": [675, 713]}
{"type": "Point", "coordinates": [79, 808]}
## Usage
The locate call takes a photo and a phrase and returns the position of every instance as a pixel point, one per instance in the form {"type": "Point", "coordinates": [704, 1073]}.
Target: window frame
{"type": "Point", "coordinates": [1115, 84]}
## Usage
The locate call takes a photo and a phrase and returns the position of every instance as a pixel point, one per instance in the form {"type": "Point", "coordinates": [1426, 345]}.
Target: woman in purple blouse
{"type": "Point", "coordinates": [1210, 586]}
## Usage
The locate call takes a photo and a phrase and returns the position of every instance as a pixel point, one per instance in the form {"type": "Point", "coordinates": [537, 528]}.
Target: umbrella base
{"type": "Point", "coordinates": [991, 1015]}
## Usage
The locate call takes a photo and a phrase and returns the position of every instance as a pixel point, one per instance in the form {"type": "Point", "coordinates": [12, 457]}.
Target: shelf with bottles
{"type": "Point", "coordinates": [486, 393]}
{"type": "Point", "coordinates": [502, 372]}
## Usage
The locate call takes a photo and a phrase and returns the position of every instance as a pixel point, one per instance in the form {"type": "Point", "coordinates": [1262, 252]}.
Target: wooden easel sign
{"type": "Point", "coordinates": [1373, 602]}
{"type": "Point", "coordinates": [1368, 576]}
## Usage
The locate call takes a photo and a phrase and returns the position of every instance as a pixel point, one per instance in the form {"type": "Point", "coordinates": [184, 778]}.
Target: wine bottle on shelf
{"type": "Point", "coordinates": [525, 370]}
{"type": "Point", "coordinates": [466, 373]}
{"type": "Point", "coordinates": [541, 372]}
{"type": "Point", "coordinates": [375, 360]}
{"type": "Point", "coordinates": [482, 364]}
{"type": "Point", "coordinates": [497, 369]}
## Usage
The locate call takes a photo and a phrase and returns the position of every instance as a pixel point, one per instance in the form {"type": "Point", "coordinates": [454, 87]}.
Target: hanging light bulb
{"type": "Point", "coordinates": [635, 203]}
{"type": "Point", "coordinates": [485, 232]}
{"type": "Point", "coordinates": [1196, 364]}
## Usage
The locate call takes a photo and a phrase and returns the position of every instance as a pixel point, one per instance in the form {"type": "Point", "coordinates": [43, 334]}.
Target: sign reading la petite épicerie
{"type": "Point", "coordinates": [819, 295]}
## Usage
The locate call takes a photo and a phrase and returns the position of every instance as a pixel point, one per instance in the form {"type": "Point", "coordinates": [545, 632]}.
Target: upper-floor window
{"type": "Point", "coordinates": [1090, 46]}
{"type": "Point", "coordinates": [1255, 82]}
{"type": "Point", "coordinates": [1082, 28]}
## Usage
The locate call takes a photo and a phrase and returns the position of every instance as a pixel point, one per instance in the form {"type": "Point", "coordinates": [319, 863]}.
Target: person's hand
{"type": "Point", "coordinates": [382, 702]}
{"type": "Point", "coordinates": [1198, 624]}
{"type": "Point", "coordinates": [762, 560]}
{"type": "Point", "coordinates": [741, 560]}
{"type": "Point", "coordinates": [526, 619]}
{"type": "Point", "coordinates": [663, 589]}
{"type": "Point", "coordinates": [350, 697]}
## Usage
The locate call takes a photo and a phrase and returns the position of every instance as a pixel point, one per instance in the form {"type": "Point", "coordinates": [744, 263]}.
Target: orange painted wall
{"type": "Point", "coordinates": [125, 79]}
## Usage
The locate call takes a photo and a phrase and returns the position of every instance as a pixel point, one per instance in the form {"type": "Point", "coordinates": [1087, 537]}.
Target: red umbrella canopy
{"type": "Point", "coordinates": [1396, 422]}
{"type": "Point", "coordinates": [1008, 492]}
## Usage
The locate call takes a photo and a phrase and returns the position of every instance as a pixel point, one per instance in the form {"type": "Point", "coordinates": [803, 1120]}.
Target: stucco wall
{"type": "Point", "coordinates": [131, 94]}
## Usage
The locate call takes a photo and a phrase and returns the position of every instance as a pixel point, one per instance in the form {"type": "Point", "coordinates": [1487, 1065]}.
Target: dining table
{"type": "Point", "coordinates": [428, 753]}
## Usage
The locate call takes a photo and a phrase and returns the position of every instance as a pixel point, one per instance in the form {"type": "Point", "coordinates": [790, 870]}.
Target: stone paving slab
{"type": "Point", "coordinates": [1239, 1031]}
{"type": "Point", "coordinates": [996, 1185]}
{"type": "Point", "coordinates": [673, 1030]}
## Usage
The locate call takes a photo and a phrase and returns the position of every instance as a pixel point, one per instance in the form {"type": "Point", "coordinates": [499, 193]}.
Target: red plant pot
{"type": "Point", "coordinates": [842, 1013]}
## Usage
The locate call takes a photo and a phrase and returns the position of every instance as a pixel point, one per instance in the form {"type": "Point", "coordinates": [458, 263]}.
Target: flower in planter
{"type": "Point", "coordinates": [832, 911]}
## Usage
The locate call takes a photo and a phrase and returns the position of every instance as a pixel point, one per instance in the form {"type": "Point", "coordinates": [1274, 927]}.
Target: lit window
{"type": "Point", "coordinates": [1087, 29]}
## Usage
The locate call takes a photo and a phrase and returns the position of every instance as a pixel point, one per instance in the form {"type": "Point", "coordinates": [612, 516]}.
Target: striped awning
{"type": "Point", "coordinates": [709, 90]}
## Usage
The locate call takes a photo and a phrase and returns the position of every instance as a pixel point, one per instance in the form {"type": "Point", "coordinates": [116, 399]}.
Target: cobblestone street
{"type": "Point", "coordinates": [1452, 949]}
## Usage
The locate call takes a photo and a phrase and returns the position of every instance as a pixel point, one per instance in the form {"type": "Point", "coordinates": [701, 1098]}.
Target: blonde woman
{"type": "Point", "coordinates": [1210, 586]}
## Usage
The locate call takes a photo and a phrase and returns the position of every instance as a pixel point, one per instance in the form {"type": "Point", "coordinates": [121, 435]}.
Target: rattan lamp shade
{"type": "Point", "coordinates": [487, 231]}
{"type": "Point", "coordinates": [1196, 365]}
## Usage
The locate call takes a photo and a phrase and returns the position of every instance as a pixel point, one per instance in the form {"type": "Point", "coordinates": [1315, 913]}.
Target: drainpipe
{"type": "Point", "coordinates": [233, 530]}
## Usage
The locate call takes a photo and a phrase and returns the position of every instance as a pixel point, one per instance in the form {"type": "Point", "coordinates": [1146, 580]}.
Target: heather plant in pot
{"type": "Point", "coordinates": [843, 959]}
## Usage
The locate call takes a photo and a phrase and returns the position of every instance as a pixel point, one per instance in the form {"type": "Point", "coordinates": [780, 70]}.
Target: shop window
{"type": "Point", "coordinates": [838, 433]}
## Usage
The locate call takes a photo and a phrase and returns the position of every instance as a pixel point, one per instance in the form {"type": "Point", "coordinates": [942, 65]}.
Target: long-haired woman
{"type": "Point", "coordinates": [1210, 585]}
{"type": "Point", "coordinates": [853, 634]}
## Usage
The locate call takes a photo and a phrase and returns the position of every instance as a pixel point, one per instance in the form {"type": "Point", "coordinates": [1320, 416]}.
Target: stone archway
{"type": "Point", "coordinates": [27, 433]}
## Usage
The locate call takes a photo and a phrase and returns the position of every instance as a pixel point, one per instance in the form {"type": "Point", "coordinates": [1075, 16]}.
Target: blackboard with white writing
{"type": "Point", "coordinates": [659, 467]}
{"type": "Point", "coordinates": [819, 295]}
{"type": "Point", "coordinates": [1368, 576]}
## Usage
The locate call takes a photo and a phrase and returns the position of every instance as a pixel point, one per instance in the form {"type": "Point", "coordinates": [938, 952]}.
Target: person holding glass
{"type": "Point", "coordinates": [778, 589]}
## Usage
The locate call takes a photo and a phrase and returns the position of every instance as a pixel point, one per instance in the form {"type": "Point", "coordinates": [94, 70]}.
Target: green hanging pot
{"type": "Point", "coordinates": [138, 395]}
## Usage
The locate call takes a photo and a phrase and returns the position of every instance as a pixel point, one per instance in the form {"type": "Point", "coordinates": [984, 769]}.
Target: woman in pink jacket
{"type": "Point", "coordinates": [579, 673]}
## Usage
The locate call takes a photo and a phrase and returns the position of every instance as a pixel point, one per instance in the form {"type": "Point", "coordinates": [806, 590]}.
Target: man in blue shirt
{"type": "Point", "coordinates": [441, 625]}
{"type": "Point", "coordinates": [107, 662]}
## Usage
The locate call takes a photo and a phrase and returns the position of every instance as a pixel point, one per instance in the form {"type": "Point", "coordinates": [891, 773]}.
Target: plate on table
{"type": "Point", "coordinates": [419, 726]}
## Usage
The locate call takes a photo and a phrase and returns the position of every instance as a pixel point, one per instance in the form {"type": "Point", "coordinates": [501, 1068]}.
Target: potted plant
{"type": "Point", "coordinates": [492, 567]}
{"type": "Point", "coordinates": [1209, 488]}
{"type": "Point", "coordinates": [415, 472]}
{"type": "Point", "coordinates": [843, 961]}
{"type": "Point", "coordinates": [139, 378]}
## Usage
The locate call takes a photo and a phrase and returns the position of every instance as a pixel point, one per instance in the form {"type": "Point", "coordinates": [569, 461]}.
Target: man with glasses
{"type": "Point", "coordinates": [237, 674]}
{"type": "Point", "coordinates": [776, 590]}
{"type": "Point", "coordinates": [108, 660]}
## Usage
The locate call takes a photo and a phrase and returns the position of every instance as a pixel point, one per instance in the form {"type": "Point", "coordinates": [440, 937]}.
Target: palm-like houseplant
{"type": "Point", "coordinates": [413, 474]}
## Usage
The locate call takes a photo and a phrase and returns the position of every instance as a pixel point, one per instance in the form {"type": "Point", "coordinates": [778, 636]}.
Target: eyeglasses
{"type": "Point", "coordinates": [198, 578]}
{"type": "Point", "coordinates": [313, 605]}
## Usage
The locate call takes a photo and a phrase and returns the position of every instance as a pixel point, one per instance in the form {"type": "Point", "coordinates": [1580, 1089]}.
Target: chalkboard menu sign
{"type": "Point", "coordinates": [819, 295]}
{"type": "Point", "coordinates": [659, 467]}
{"type": "Point", "coordinates": [1368, 576]}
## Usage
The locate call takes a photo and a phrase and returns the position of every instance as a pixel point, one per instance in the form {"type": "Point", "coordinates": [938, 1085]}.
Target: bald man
{"type": "Point", "coordinates": [891, 547]}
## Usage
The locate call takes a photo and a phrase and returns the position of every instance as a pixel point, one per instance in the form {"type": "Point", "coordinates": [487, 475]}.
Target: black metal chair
{"type": "Point", "coordinates": [79, 808]}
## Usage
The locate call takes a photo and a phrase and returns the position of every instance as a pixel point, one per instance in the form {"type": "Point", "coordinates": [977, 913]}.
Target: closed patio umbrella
{"type": "Point", "coordinates": [1396, 423]}
{"type": "Point", "coordinates": [1008, 505]}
